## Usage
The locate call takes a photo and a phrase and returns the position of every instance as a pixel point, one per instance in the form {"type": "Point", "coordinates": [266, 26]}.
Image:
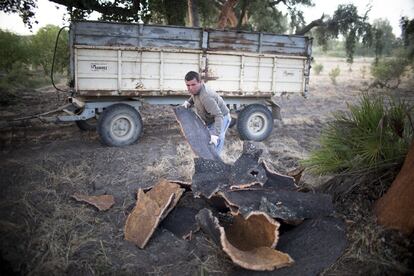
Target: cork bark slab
{"type": "Point", "coordinates": [209, 177]}
{"type": "Point", "coordinates": [278, 181]}
{"type": "Point", "coordinates": [314, 245]}
{"type": "Point", "coordinates": [242, 242]}
{"type": "Point", "coordinates": [162, 190]}
{"type": "Point", "coordinates": [395, 209]}
{"type": "Point", "coordinates": [281, 204]}
{"type": "Point", "coordinates": [150, 209]}
{"type": "Point", "coordinates": [102, 202]}
{"type": "Point", "coordinates": [247, 171]}
{"type": "Point", "coordinates": [196, 133]}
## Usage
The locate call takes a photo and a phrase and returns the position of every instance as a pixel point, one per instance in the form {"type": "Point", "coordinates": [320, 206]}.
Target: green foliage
{"type": "Point", "coordinates": [346, 22]}
{"type": "Point", "coordinates": [388, 72]}
{"type": "Point", "coordinates": [383, 38]}
{"type": "Point", "coordinates": [42, 48]}
{"type": "Point", "coordinates": [169, 12]}
{"type": "Point", "coordinates": [317, 68]}
{"type": "Point", "coordinates": [21, 57]}
{"type": "Point", "coordinates": [334, 73]}
{"type": "Point", "coordinates": [407, 27]}
{"type": "Point", "coordinates": [208, 13]}
{"type": "Point", "coordinates": [25, 9]}
{"type": "Point", "coordinates": [18, 77]}
{"type": "Point", "coordinates": [370, 135]}
{"type": "Point", "coordinates": [266, 18]}
{"type": "Point", "coordinates": [13, 48]}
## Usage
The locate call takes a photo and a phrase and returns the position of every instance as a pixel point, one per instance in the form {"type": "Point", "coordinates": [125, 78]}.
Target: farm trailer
{"type": "Point", "coordinates": [116, 67]}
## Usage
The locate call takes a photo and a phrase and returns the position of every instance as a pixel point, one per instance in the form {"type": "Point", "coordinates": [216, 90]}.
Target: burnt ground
{"type": "Point", "coordinates": [44, 231]}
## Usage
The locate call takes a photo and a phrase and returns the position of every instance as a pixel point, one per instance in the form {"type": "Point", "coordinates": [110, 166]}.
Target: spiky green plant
{"type": "Point", "coordinates": [373, 134]}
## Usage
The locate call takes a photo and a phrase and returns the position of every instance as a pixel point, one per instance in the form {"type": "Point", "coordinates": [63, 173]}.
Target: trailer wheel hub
{"type": "Point", "coordinates": [122, 127]}
{"type": "Point", "coordinates": [257, 123]}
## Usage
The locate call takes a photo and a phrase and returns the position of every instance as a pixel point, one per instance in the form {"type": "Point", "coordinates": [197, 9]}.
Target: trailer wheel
{"type": "Point", "coordinates": [255, 122]}
{"type": "Point", "coordinates": [119, 125]}
{"type": "Point", "coordinates": [87, 125]}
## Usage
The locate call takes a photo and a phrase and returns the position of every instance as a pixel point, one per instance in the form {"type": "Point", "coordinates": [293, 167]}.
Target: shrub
{"type": "Point", "coordinates": [372, 134]}
{"type": "Point", "coordinates": [334, 73]}
{"type": "Point", "coordinates": [13, 48]}
{"type": "Point", "coordinates": [388, 73]}
{"type": "Point", "coordinates": [317, 68]}
{"type": "Point", "coordinates": [43, 46]}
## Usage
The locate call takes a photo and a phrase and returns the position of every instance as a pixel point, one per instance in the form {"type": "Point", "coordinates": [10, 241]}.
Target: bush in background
{"type": "Point", "coordinates": [317, 68]}
{"type": "Point", "coordinates": [26, 61]}
{"type": "Point", "coordinates": [388, 72]}
{"type": "Point", "coordinates": [334, 73]}
{"type": "Point", "coordinates": [42, 46]}
{"type": "Point", "coordinates": [376, 133]}
{"type": "Point", "coordinates": [13, 49]}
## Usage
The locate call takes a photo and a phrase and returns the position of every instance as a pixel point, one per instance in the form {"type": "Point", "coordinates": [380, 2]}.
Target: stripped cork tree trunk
{"type": "Point", "coordinates": [395, 209]}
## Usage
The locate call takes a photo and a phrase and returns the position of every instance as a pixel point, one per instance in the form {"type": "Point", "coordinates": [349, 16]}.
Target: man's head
{"type": "Point", "coordinates": [193, 82]}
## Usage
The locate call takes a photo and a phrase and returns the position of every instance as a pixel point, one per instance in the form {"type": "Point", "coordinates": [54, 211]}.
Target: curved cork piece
{"type": "Point", "coordinates": [248, 242]}
{"type": "Point", "coordinates": [151, 208]}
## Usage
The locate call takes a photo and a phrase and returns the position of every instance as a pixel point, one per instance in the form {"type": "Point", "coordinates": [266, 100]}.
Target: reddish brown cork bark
{"type": "Point", "coordinates": [395, 209]}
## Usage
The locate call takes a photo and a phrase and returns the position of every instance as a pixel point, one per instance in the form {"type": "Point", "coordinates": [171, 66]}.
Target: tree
{"type": "Point", "coordinates": [42, 48]}
{"type": "Point", "coordinates": [407, 27]}
{"type": "Point", "coordinates": [346, 22]}
{"type": "Point", "coordinates": [266, 15]}
{"type": "Point", "coordinates": [25, 9]}
{"type": "Point", "coordinates": [13, 49]}
{"type": "Point", "coordinates": [383, 40]}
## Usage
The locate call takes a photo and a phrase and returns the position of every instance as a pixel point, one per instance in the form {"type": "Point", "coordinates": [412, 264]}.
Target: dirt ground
{"type": "Point", "coordinates": [44, 231]}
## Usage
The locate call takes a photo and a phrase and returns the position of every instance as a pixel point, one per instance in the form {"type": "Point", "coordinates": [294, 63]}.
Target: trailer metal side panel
{"type": "Point", "coordinates": [122, 59]}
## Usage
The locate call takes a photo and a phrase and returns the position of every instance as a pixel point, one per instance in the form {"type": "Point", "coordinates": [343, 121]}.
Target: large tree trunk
{"type": "Point", "coordinates": [193, 17]}
{"type": "Point", "coordinates": [395, 209]}
{"type": "Point", "coordinates": [227, 15]}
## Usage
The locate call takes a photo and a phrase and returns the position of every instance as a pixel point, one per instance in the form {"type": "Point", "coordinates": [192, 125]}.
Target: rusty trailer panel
{"type": "Point", "coordinates": [137, 60]}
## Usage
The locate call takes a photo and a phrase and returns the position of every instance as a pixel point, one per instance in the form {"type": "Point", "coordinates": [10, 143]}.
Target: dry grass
{"type": "Point", "coordinates": [371, 249]}
{"type": "Point", "coordinates": [50, 228]}
{"type": "Point", "coordinates": [232, 150]}
{"type": "Point", "coordinates": [180, 165]}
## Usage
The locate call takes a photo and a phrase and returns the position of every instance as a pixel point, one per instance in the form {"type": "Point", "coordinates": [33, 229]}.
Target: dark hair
{"type": "Point", "coordinates": [192, 75]}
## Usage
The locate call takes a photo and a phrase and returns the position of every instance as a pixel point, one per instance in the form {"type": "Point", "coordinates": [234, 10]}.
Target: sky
{"type": "Point", "coordinates": [50, 13]}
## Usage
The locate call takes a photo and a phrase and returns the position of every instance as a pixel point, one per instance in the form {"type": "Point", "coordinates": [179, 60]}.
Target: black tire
{"type": "Point", "coordinates": [87, 125]}
{"type": "Point", "coordinates": [255, 122]}
{"type": "Point", "coordinates": [119, 125]}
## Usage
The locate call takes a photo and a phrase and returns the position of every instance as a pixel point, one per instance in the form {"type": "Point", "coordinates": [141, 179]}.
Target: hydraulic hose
{"type": "Point", "coordinates": [54, 58]}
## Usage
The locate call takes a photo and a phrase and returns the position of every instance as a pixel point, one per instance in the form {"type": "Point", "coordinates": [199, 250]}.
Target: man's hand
{"type": "Point", "coordinates": [214, 140]}
{"type": "Point", "coordinates": [186, 104]}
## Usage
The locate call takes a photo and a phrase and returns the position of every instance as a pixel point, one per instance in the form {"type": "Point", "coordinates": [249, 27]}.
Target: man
{"type": "Point", "coordinates": [210, 107]}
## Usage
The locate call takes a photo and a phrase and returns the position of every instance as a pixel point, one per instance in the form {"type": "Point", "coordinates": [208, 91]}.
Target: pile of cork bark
{"type": "Point", "coordinates": [258, 217]}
